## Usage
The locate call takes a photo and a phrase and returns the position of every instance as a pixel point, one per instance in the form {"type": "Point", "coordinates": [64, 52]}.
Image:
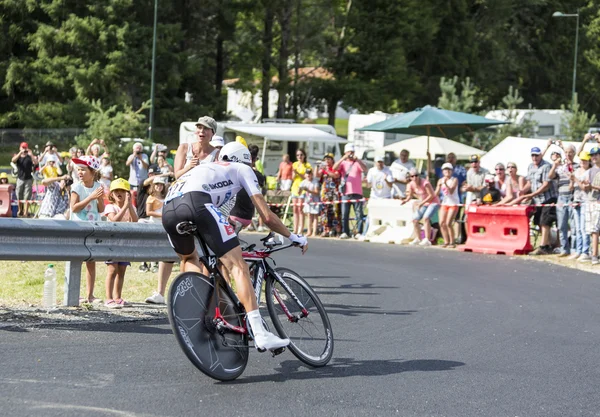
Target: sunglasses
{"type": "Point", "coordinates": [535, 154]}
{"type": "Point", "coordinates": [510, 166]}
{"type": "Point", "coordinates": [414, 176]}
{"type": "Point", "coordinates": [499, 169]}
{"type": "Point", "coordinates": [474, 162]}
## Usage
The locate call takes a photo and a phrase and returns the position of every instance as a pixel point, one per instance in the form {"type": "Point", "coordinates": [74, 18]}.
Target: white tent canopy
{"type": "Point", "coordinates": [417, 147]}
{"type": "Point", "coordinates": [518, 150]}
{"type": "Point", "coordinates": [288, 134]}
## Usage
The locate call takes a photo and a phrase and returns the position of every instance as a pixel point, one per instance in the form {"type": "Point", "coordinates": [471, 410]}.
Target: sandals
{"type": "Point", "coordinates": [93, 300]}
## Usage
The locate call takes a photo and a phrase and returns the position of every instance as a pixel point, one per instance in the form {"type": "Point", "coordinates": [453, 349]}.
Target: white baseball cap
{"type": "Point", "coordinates": [349, 147]}
{"type": "Point", "coordinates": [217, 141]}
{"type": "Point", "coordinates": [379, 158]}
{"type": "Point", "coordinates": [447, 165]}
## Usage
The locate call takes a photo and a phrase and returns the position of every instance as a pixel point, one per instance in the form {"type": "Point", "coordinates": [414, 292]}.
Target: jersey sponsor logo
{"type": "Point", "coordinates": [217, 185]}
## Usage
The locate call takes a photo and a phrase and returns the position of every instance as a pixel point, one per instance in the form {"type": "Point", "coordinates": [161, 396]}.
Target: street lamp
{"type": "Point", "coordinates": [152, 81]}
{"type": "Point", "coordinates": [560, 14]}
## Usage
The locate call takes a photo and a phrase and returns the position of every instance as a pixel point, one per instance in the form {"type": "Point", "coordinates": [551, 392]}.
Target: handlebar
{"type": "Point", "coordinates": [269, 245]}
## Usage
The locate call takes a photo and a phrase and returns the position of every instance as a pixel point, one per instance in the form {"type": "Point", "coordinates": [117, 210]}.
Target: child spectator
{"type": "Point", "coordinates": [448, 187]}
{"type": "Point", "coordinates": [489, 194]}
{"type": "Point", "coordinates": [106, 173]}
{"type": "Point", "coordinates": [121, 209]}
{"type": "Point", "coordinates": [311, 188]}
{"type": "Point", "coordinates": [155, 200]}
{"type": "Point", "coordinates": [3, 178]}
{"type": "Point", "coordinates": [284, 175]}
{"type": "Point", "coordinates": [56, 198]}
{"type": "Point", "coordinates": [87, 202]}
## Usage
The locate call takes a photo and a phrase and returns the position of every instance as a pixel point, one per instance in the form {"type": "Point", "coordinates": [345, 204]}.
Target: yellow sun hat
{"type": "Point", "coordinates": [241, 140]}
{"type": "Point", "coordinates": [120, 184]}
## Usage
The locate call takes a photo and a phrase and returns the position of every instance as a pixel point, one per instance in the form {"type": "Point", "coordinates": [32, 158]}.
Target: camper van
{"type": "Point", "coordinates": [548, 121]}
{"type": "Point", "coordinates": [276, 139]}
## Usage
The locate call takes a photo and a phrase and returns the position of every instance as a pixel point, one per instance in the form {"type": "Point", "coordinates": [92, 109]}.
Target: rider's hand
{"type": "Point", "coordinates": [299, 241]}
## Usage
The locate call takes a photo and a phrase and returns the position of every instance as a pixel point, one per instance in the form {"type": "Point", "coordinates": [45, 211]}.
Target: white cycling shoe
{"type": "Point", "coordinates": [267, 340]}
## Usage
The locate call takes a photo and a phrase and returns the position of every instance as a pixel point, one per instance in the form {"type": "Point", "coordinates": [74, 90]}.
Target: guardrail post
{"type": "Point", "coordinates": [72, 283]}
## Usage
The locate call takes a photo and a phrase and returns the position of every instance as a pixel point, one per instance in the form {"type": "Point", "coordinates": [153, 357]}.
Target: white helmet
{"type": "Point", "coordinates": [235, 152]}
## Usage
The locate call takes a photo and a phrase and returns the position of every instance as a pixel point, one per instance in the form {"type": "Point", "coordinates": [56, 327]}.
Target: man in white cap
{"type": "Point", "coordinates": [380, 180]}
{"type": "Point", "coordinates": [400, 168]}
{"type": "Point", "coordinates": [351, 170]}
{"type": "Point", "coordinates": [138, 163]}
{"type": "Point", "coordinates": [217, 142]}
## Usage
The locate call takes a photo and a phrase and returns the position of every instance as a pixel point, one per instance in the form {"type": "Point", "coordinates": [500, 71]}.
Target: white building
{"type": "Point", "coordinates": [364, 141]}
{"type": "Point", "coordinates": [548, 120]}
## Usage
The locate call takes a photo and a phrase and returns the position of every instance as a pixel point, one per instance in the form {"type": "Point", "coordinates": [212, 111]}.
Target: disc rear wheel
{"type": "Point", "coordinates": [221, 355]}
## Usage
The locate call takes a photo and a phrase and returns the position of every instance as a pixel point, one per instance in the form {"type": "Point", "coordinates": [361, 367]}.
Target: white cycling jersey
{"type": "Point", "coordinates": [220, 180]}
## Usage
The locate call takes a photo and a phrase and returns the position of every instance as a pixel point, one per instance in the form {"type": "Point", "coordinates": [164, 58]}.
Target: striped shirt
{"type": "Point", "coordinates": [537, 176]}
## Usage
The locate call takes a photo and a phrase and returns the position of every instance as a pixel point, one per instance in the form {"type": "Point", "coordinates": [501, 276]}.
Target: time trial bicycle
{"type": "Point", "coordinates": [209, 321]}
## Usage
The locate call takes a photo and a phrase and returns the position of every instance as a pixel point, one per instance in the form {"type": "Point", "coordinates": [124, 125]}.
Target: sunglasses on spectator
{"type": "Point", "coordinates": [511, 166]}
{"type": "Point", "coordinates": [414, 176]}
{"type": "Point", "coordinates": [499, 169]}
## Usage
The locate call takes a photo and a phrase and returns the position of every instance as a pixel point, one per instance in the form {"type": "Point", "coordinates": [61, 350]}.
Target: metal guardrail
{"type": "Point", "coordinates": [78, 242]}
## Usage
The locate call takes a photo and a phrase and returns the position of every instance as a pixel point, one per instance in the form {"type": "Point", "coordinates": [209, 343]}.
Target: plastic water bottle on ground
{"type": "Point", "coordinates": [49, 297]}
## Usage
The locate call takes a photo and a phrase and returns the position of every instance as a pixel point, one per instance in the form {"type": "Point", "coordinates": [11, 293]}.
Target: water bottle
{"type": "Point", "coordinates": [49, 298]}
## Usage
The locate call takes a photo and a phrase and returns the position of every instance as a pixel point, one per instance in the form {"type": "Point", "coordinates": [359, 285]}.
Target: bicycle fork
{"type": "Point", "coordinates": [294, 318]}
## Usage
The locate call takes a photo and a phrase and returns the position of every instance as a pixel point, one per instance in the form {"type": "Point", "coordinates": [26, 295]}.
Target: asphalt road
{"type": "Point", "coordinates": [418, 331]}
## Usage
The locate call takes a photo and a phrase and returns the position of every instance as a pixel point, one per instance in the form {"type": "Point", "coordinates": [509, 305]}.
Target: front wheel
{"type": "Point", "coordinates": [311, 337]}
{"type": "Point", "coordinates": [191, 307]}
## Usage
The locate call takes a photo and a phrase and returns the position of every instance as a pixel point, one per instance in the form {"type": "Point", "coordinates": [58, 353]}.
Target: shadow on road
{"type": "Point", "coordinates": [353, 311]}
{"type": "Point", "coordinates": [348, 367]}
{"type": "Point", "coordinates": [325, 277]}
{"type": "Point", "coordinates": [141, 327]}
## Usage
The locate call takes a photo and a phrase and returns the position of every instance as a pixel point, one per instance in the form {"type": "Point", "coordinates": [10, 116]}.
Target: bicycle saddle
{"type": "Point", "coordinates": [186, 228]}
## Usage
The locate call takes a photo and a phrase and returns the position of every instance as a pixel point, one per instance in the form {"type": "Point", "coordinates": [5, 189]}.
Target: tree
{"type": "Point", "coordinates": [450, 100]}
{"type": "Point", "coordinates": [111, 124]}
{"type": "Point", "coordinates": [576, 123]}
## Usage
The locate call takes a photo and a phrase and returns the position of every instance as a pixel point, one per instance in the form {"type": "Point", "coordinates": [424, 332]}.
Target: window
{"type": "Point", "coordinates": [545, 131]}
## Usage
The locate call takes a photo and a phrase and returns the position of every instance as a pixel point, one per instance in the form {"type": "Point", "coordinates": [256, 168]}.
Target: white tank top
{"type": "Point", "coordinates": [212, 157]}
{"type": "Point", "coordinates": [450, 199]}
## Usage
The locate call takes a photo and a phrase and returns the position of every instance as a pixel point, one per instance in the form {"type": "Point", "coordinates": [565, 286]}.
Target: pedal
{"type": "Point", "coordinates": [261, 350]}
{"type": "Point", "coordinates": [278, 351]}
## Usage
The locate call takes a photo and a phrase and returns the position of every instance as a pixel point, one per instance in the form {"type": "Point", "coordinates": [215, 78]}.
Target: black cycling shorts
{"type": "Point", "coordinates": [211, 224]}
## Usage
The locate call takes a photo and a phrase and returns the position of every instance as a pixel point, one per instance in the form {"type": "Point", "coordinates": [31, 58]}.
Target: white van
{"type": "Point", "coordinates": [276, 139]}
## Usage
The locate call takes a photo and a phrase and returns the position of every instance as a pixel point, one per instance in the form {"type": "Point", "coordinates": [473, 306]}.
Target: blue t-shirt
{"type": "Point", "coordinates": [90, 211]}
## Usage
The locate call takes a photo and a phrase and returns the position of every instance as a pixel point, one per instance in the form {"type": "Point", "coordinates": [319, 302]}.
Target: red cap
{"type": "Point", "coordinates": [24, 145]}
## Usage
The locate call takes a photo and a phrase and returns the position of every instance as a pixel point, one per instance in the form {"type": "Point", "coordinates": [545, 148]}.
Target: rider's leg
{"type": "Point", "coordinates": [235, 264]}
{"type": "Point", "coordinates": [191, 263]}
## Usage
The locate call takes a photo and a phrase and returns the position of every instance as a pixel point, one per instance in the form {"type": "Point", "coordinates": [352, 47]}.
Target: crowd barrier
{"type": "Point", "coordinates": [389, 221]}
{"type": "Point", "coordinates": [498, 230]}
{"type": "Point", "coordinates": [6, 191]}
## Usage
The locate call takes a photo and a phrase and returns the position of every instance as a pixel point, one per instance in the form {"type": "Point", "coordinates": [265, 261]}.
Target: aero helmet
{"type": "Point", "coordinates": [235, 152]}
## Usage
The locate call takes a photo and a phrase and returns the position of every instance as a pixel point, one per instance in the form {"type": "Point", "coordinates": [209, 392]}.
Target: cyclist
{"type": "Point", "coordinates": [196, 197]}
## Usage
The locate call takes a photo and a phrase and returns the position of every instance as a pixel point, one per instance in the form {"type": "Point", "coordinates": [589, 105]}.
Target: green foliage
{"type": "Point", "coordinates": [450, 100]}
{"type": "Point", "coordinates": [576, 123]}
{"type": "Point", "coordinates": [111, 124]}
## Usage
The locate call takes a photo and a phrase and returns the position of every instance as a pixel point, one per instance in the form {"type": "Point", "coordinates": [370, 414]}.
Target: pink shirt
{"type": "Point", "coordinates": [354, 178]}
{"type": "Point", "coordinates": [285, 168]}
{"type": "Point", "coordinates": [419, 190]}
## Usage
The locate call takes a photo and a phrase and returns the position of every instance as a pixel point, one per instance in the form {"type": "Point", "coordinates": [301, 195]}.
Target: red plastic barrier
{"type": "Point", "coordinates": [5, 194]}
{"type": "Point", "coordinates": [498, 230]}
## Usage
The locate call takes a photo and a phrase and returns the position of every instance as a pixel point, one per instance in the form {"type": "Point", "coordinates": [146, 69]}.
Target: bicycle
{"type": "Point", "coordinates": [209, 321]}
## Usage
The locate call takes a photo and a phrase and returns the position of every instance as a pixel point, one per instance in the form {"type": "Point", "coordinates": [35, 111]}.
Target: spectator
{"type": "Point", "coordinates": [79, 152]}
{"type": "Point", "coordinates": [55, 204]}
{"type": "Point", "coordinates": [138, 163]}
{"type": "Point", "coordinates": [490, 194]}
{"type": "Point", "coordinates": [447, 186]}
{"type": "Point", "coordinates": [242, 213]}
{"type": "Point", "coordinates": [501, 183]}
{"type": "Point", "coordinates": [284, 173]}
{"type": "Point", "coordinates": [190, 155]}
{"type": "Point", "coordinates": [164, 166]}
{"type": "Point", "coordinates": [563, 171]}
{"type": "Point", "coordinates": [158, 150]}
{"type": "Point", "coordinates": [217, 142]}
{"type": "Point", "coordinates": [351, 171]}
{"type": "Point", "coordinates": [426, 206]}
{"type": "Point", "coordinates": [515, 184]}
{"type": "Point", "coordinates": [458, 171]}
{"type": "Point", "coordinates": [25, 161]}
{"type": "Point", "coordinates": [49, 154]}
{"type": "Point", "coordinates": [380, 180]}
{"type": "Point", "coordinates": [400, 171]}
{"type": "Point", "coordinates": [155, 200]}
{"type": "Point", "coordinates": [3, 178]}
{"type": "Point", "coordinates": [143, 216]}
{"type": "Point", "coordinates": [93, 149]}
{"type": "Point", "coordinates": [543, 192]}
{"type": "Point", "coordinates": [582, 239]}
{"type": "Point", "coordinates": [71, 167]}
{"type": "Point", "coordinates": [311, 191]}
{"type": "Point", "coordinates": [121, 209]}
{"type": "Point", "coordinates": [592, 214]}
{"type": "Point", "coordinates": [475, 180]}
{"type": "Point", "coordinates": [106, 173]}
{"type": "Point", "coordinates": [299, 169]}
{"type": "Point", "coordinates": [330, 210]}
{"type": "Point", "coordinates": [51, 170]}
{"type": "Point", "coordinates": [87, 202]}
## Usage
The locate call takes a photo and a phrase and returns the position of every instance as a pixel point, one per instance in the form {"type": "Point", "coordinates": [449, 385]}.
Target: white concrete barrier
{"type": "Point", "coordinates": [389, 221]}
